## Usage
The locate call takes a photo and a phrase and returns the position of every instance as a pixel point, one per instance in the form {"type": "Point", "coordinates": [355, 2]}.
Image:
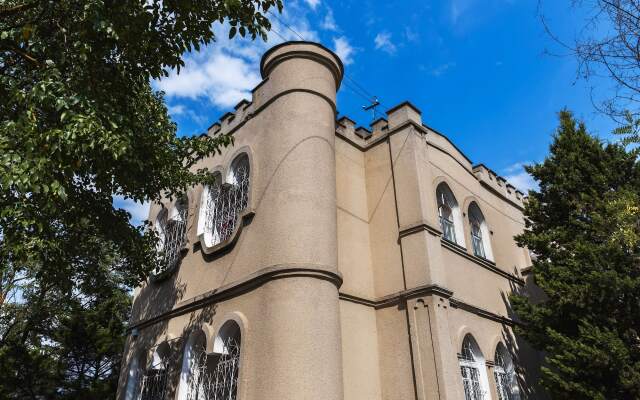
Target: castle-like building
{"type": "Point", "coordinates": [330, 262]}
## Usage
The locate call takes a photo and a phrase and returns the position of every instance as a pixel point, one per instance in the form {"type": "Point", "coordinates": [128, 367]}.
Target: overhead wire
{"type": "Point", "coordinates": [352, 84]}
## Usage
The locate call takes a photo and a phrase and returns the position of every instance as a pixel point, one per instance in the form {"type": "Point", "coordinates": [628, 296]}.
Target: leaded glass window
{"type": "Point", "coordinates": [225, 202]}
{"type": "Point", "coordinates": [449, 215]}
{"type": "Point", "coordinates": [155, 379]}
{"type": "Point", "coordinates": [171, 230]}
{"type": "Point", "coordinates": [472, 369]}
{"type": "Point", "coordinates": [505, 376]}
{"type": "Point", "coordinates": [215, 376]}
{"type": "Point", "coordinates": [476, 239]}
{"type": "Point", "coordinates": [480, 234]}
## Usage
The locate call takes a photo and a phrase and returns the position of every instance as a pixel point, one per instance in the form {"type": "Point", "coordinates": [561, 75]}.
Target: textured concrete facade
{"type": "Point", "coordinates": [337, 272]}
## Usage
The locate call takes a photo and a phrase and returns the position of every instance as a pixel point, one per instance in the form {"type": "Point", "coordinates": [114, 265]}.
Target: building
{"type": "Point", "coordinates": [329, 261]}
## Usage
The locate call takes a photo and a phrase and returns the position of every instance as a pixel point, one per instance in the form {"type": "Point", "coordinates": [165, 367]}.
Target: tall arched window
{"type": "Point", "coordinates": [133, 380]}
{"type": "Point", "coordinates": [172, 233]}
{"type": "Point", "coordinates": [449, 215]}
{"type": "Point", "coordinates": [154, 382]}
{"type": "Point", "coordinates": [211, 376]}
{"type": "Point", "coordinates": [194, 364]}
{"type": "Point", "coordinates": [480, 235]}
{"type": "Point", "coordinates": [473, 370]}
{"type": "Point", "coordinates": [225, 202]}
{"type": "Point", "coordinates": [505, 375]}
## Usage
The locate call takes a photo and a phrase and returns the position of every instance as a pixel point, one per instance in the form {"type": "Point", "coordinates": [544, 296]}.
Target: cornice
{"type": "Point", "coordinates": [426, 290]}
{"type": "Point", "coordinates": [242, 286]}
{"type": "Point", "coordinates": [398, 297]}
{"type": "Point", "coordinates": [419, 227]}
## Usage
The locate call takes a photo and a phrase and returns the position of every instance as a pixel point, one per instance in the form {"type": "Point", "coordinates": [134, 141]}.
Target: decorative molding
{"type": "Point", "coordinates": [426, 290]}
{"type": "Point", "coordinates": [266, 67]}
{"type": "Point", "coordinates": [419, 227]}
{"type": "Point", "coordinates": [491, 266]}
{"type": "Point", "coordinates": [481, 312]}
{"type": "Point", "coordinates": [240, 287]}
{"type": "Point", "coordinates": [396, 298]}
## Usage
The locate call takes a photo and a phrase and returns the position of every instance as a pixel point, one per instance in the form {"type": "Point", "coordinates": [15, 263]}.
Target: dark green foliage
{"type": "Point", "coordinates": [583, 225]}
{"type": "Point", "coordinates": [80, 123]}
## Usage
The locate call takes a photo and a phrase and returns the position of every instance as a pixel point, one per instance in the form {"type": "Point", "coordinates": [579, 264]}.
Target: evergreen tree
{"type": "Point", "coordinates": [583, 227]}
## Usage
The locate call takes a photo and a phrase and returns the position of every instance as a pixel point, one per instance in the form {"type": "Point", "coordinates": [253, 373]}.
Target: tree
{"type": "Point", "coordinates": [584, 228]}
{"type": "Point", "coordinates": [606, 46]}
{"type": "Point", "coordinates": [79, 124]}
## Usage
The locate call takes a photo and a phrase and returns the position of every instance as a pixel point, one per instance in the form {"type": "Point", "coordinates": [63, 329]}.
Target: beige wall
{"type": "Point", "coordinates": [339, 275]}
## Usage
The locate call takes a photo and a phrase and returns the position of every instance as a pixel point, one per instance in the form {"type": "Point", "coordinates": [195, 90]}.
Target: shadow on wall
{"type": "Point", "coordinates": [160, 357]}
{"type": "Point", "coordinates": [522, 352]}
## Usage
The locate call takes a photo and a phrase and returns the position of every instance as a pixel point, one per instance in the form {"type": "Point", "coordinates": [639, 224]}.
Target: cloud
{"type": "Point", "coordinates": [139, 211]}
{"type": "Point", "coordinates": [518, 177]}
{"type": "Point", "coordinates": [226, 71]}
{"type": "Point", "coordinates": [411, 35]}
{"type": "Point", "coordinates": [441, 69]}
{"type": "Point", "coordinates": [383, 42]}
{"type": "Point", "coordinates": [329, 23]}
{"type": "Point", "coordinates": [312, 3]}
{"type": "Point", "coordinates": [177, 109]}
{"type": "Point", "coordinates": [343, 49]}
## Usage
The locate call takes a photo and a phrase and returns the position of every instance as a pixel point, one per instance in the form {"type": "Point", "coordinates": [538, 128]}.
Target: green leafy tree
{"type": "Point", "coordinates": [79, 124]}
{"type": "Point", "coordinates": [583, 226]}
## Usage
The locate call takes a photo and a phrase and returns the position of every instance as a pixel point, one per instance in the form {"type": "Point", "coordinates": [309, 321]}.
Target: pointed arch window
{"type": "Point", "coordinates": [171, 228]}
{"type": "Point", "coordinates": [505, 375]}
{"type": "Point", "coordinates": [449, 215]}
{"type": "Point", "coordinates": [480, 235]}
{"type": "Point", "coordinates": [212, 376]}
{"type": "Point", "coordinates": [224, 202]}
{"type": "Point", "coordinates": [473, 370]}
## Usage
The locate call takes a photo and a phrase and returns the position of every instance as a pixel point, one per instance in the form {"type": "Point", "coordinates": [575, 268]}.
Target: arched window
{"type": "Point", "coordinates": [505, 375]}
{"type": "Point", "coordinates": [133, 380]}
{"type": "Point", "coordinates": [154, 382]}
{"type": "Point", "coordinates": [480, 235]}
{"type": "Point", "coordinates": [449, 215]}
{"type": "Point", "coordinates": [172, 229]}
{"type": "Point", "coordinates": [473, 370]}
{"type": "Point", "coordinates": [225, 201]}
{"type": "Point", "coordinates": [194, 362]}
{"type": "Point", "coordinates": [211, 376]}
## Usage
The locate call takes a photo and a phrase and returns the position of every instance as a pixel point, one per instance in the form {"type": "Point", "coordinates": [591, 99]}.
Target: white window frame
{"type": "Point", "coordinates": [238, 204]}
{"type": "Point", "coordinates": [445, 197]}
{"type": "Point", "coordinates": [471, 360]}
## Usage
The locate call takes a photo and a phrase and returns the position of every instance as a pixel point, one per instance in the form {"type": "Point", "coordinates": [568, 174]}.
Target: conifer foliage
{"type": "Point", "coordinates": [583, 227]}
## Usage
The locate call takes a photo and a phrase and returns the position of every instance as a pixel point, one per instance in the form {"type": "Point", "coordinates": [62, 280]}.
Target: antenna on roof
{"type": "Point", "coordinates": [374, 103]}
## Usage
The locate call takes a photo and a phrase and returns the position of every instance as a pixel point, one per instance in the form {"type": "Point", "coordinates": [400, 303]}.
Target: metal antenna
{"type": "Point", "coordinates": [374, 103]}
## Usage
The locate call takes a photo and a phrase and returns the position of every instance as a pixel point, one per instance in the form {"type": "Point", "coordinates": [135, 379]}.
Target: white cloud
{"type": "Point", "coordinates": [441, 69]}
{"type": "Point", "coordinates": [518, 177]}
{"type": "Point", "coordinates": [343, 49]}
{"type": "Point", "coordinates": [139, 211]}
{"type": "Point", "coordinates": [383, 42]}
{"type": "Point", "coordinates": [411, 35]}
{"type": "Point", "coordinates": [177, 109]}
{"type": "Point", "coordinates": [312, 3]}
{"type": "Point", "coordinates": [220, 77]}
{"type": "Point", "coordinates": [226, 71]}
{"type": "Point", "coordinates": [329, 23]}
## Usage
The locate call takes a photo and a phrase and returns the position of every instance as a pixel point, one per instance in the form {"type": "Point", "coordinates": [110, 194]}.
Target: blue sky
{"type": "Point", "coordinates": [480, 71]}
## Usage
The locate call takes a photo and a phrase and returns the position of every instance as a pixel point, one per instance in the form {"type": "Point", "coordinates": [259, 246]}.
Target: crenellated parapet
{"type": "Point", "coordinates": [498, 184]}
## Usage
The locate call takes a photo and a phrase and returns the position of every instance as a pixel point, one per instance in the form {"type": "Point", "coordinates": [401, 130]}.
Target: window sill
{"type": "Point", "coordinates": [225, 245]}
